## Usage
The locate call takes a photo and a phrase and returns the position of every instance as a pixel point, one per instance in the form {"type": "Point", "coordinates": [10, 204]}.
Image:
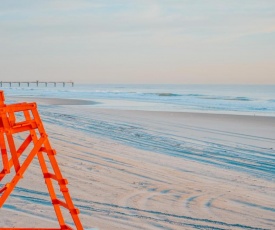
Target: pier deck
{"type": "Point", "coordinates": [36, 83]}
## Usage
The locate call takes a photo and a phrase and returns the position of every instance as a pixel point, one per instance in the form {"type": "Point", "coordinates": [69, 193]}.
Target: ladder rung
{"type": "Point", "coordinates": [24, 123]}
{"type": "Point", "coordinates": [4, 172]}
{"type": "Point", "coordinates": [27, 127]}
{"type": "Point", "coordinates": [51, 152]}
{"type": "Point", "coordinates": [48, 151]}
{"type": "Point", "coordinates": [4, 188]}
{"type": "Point", "coordinates": [59, 202]}
{"type": "Point", "coordinates": [64, 189]}
{"type": "Point", "coordinates": [43, 149]}
{"type": "Point", "coordinates": [50, 175]}
{"type": "Point", "coordinates": [74, 211]}
{"type": "Point", "coordinates": [61, 181]}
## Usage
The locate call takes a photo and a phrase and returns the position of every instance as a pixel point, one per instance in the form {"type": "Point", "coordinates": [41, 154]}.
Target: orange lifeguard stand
{"type": "Point", "coordinates": [39, 145]}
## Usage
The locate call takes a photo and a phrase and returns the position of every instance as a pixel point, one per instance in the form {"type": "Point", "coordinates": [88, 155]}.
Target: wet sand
{"type": "Point", "coordinates": [154, 170]}
{"type": "Point", "coordinates": [53, 101]}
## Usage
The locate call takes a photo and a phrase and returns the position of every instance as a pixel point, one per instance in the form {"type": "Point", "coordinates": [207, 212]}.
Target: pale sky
{"type": "Point", "coordinates": [136, 41]}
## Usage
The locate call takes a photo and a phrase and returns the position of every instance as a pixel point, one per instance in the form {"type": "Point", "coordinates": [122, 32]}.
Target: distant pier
{"type": "Point", "coordinates": [37, 83]}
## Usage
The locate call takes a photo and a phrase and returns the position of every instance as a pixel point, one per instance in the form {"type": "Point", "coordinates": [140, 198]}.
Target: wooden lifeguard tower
{"type": "Point", "coordinates": [18, 158]}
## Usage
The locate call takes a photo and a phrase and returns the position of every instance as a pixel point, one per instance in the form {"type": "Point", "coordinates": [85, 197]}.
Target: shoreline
{"type": "Point", "coordinates": [53, 101]}
{"type": "Point", "coordinates": [190, 114]}
{"type": "Point", "coordinates": [63, 101]}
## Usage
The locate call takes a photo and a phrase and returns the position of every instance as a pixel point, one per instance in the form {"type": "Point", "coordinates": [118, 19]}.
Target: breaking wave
{"type": "Point", "coordinates": [227, 98]}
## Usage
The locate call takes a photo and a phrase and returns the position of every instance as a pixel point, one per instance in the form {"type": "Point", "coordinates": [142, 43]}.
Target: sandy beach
{"type": "Point", "coordinates": [161, 115]}
{"type": "Point", "coordinates": [153, 170]}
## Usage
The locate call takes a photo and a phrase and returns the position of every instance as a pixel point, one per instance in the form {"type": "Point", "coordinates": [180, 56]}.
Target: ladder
{"type": "Point", "coordinates": [36, 144]}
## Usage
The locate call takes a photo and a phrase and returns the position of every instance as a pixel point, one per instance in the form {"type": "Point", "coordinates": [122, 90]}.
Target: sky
{"type": "Point", "coordinates": [138, 41]}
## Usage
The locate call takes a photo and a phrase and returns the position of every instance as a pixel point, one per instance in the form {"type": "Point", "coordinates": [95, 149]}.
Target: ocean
{"type": "Point", "coordinates": [223, 99]}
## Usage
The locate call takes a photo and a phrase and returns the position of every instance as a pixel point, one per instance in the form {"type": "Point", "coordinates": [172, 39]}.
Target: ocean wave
{"type": "Point", "coordinates": [160, 94]}
{"type": "Point", "coordinates": [168, 94]}
{"type": "Point", "coordinates": [240, 99]}
{"type": "Point", "coordinates": [194, 95]}
{"type": "Point", "coordinates": [226, 98]}
{"type": "Point", "coordinates": [177, 95]}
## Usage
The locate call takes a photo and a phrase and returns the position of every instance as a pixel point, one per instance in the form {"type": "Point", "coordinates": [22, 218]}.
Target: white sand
{"type": "Point", "coordinates": [120, 186]}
